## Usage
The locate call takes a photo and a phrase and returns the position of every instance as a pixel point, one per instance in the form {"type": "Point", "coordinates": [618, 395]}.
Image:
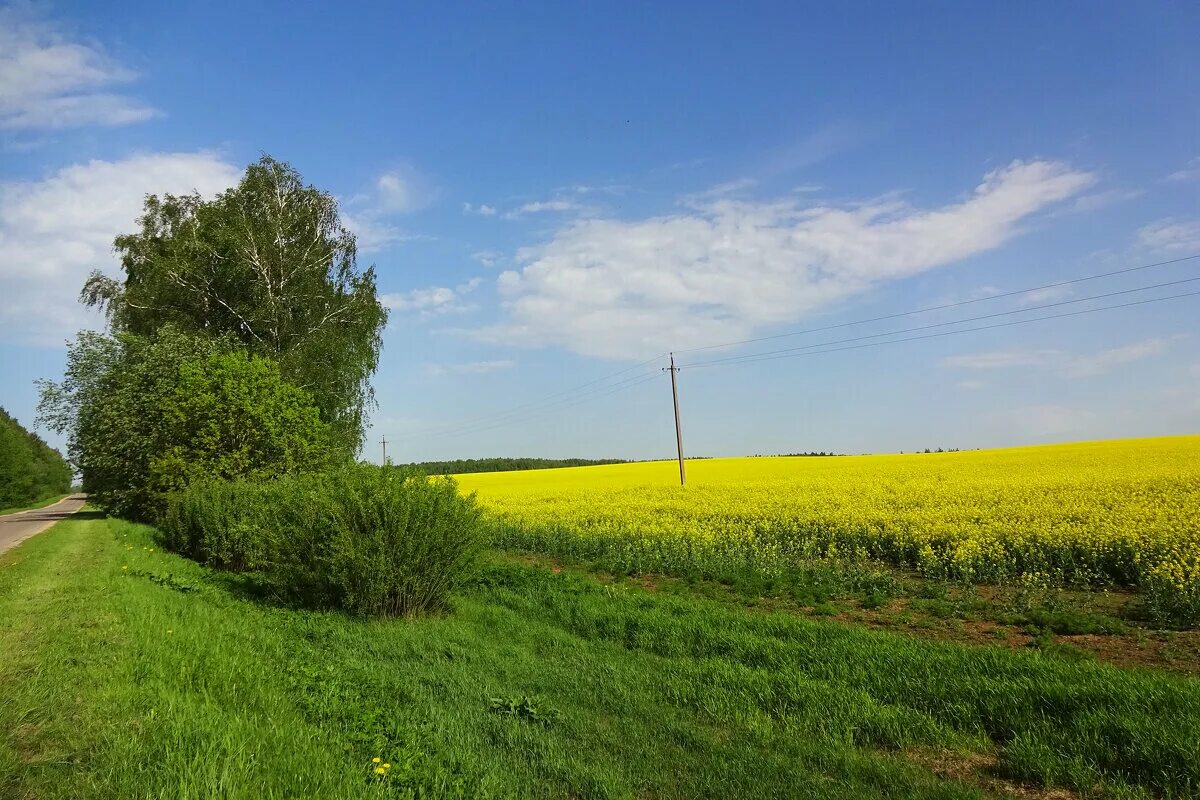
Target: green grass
{"type": "Point", "coordinates": [30, 507]}
{"type": "Point", "coordinates": [169, 680]}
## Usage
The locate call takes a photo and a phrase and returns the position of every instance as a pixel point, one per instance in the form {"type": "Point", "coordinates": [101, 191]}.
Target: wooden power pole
{"type": "Point", "coordinates": [383, 442]}
{"type": "Point", "coordinates": [678, 431]}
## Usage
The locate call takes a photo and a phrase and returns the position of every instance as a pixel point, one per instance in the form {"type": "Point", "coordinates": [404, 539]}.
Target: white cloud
{"type": "Point", "coordinates": [434, 300]}
{"type": "Point", "coordinates": [400, 192]}
{"type": "Point", "coordinates": [49, 81]}
{"type": "Point", "coordinates": [1171, 235]}
{"type": "Point", "coordinates": [1189, 173]}
{"type": "Point", "coordinates": [53, 232]}
{"type": "Point", "coordinates": [483, 209]}
{"type": "Point", "coordinates": [1077, 366]}
{"type": "Point", "coordinates": [621, 289]}
{"type": "Point", "coordinates": [471, 367]}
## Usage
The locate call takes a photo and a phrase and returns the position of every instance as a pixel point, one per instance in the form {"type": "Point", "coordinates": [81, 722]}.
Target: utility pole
{"type": "Point", "coordinates": [678, 431]}
{"type": "Point", "coordinates": [383, 442]}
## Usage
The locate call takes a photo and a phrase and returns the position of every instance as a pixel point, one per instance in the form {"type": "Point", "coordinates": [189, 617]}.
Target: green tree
{"type": "Point", "coordinates": [145, 415]}
{"type": "Point", "coordinates": [270, 263]}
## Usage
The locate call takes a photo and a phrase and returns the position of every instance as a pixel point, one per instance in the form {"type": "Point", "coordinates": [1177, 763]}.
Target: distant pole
{"type": "Point", "coordinates": [678, 431]}
{"type": "Point", "coordinates": [383, 442]}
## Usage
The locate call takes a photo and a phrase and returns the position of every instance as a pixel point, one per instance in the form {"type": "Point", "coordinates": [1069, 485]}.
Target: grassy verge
{"type": "Point", "coordinates": [129, 672]}
{"type": "Point", "coordinates": [1111, 626]}
{"type": "Point", "coordinates": [32, 506]}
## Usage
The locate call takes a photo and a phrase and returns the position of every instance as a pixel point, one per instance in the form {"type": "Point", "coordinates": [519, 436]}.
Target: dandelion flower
{"type": "Point", "coordinates": [376, 760]}
{"type": "Point", "coordinates": [387, 766]}
{"type": "Point", "coordinates": [380, 770]}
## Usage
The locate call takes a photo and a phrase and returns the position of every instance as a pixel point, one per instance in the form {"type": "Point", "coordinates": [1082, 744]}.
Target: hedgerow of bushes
{"type": "Point", "coordinates": [372, 541]}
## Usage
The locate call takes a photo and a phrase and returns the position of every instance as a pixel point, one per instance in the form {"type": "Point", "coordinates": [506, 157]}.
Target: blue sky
{"type": "Point", "coordinates": [553, 195]}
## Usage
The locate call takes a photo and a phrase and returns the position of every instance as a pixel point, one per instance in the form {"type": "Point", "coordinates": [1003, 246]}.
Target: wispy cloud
{"type": "Point", "coordinates": [483, 209]}
{"type": "Point", "coordinates": [718, 272]}
{"type": "Point", "coordinates": [557, 206]}
{"type": "Point", "coordinates": [1191, 172]}
{"type": "Point", "coordinates": [434, 300]}
{"type": "Point", "coordinates": [471, 367]}
{"type": "Point", "coordinates": [49, 81]}
{"type": "Point", "coordinates": [1004, 359]}
{"type": "Point", "coordinates": [1106, 360]}
{"type": "Point", "coordinates": [1076, 366]}
{"type": "Point", "coordinates": [1171, 235]}
{"type": "Point", "coordinates": [1050, 294]}
{"type": "Point", "coordinates": [370, 215]}
{"type": "Point", "coordinates": [489, 258]}
{"type": "Point", "coordinates": [1040, 421]}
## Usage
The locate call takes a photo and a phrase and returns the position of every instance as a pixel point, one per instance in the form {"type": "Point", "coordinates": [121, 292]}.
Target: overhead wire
{"type": "Point", "coordinates": [601, 386]}
{"type": "Point", "coordinates": [944, 306]}
{"type": "Point", "coordinates": [1010, 323]}
{"type": "Point", "coordinates": [1027, 309]}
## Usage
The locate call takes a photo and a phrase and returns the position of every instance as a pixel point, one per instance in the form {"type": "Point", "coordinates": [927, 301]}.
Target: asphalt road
{"type": "Point", "coordinates": [16, 528]}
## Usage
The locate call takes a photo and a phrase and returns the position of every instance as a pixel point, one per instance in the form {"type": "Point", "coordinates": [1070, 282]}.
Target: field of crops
{"type": "Point", "coordinates": [1109, 513]}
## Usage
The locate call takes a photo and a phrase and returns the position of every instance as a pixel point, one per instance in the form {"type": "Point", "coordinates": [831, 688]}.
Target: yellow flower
{"type": "Point", "coordinates": [387, 766]}
{"type": "Point", "coordinates": [380, 770]}
{"type": "Point", "coordinates": [376, 760]}
{"type": "Point", "coordinates": [126, 567]}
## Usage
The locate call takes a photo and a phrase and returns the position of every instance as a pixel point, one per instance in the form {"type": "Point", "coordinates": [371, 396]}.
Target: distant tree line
{"type": "Point", "coordinates": [464, 465]}
{"type": "Point", "coordinates": [30, 469]}
{"type": "Point", "coordinates": [813, 454]}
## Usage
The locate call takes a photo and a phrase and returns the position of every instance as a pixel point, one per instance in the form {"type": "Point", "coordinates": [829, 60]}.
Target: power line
{"type": "Point", "coordinates": [953, 322]}
{"type": "Point", "coordinates": [585, 392]}
{"type": "Point", "coordinates": [773, 357]}
{"type": "Point", "coordinates": [944, 306]}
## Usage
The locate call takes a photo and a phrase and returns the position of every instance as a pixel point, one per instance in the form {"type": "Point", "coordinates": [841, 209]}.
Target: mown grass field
{"type": "Point", "coordinates": [133, 673]}
{"type": "Point", "coordinates": [1105, 514]}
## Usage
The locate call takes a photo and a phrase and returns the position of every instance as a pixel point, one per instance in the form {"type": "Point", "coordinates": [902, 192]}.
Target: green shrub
{"type": "Point", "coordinates": [219, 523]}
{"type": "Point", "coordinates": [372, 541]}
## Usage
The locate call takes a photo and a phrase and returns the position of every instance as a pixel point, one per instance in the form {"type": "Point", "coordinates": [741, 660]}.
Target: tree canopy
{"type": "Point", "coordinates": [270, 263]}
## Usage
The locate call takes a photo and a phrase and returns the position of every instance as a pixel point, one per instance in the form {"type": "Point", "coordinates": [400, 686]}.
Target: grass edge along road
{"type": "Point", "coordinates": [130, 672]}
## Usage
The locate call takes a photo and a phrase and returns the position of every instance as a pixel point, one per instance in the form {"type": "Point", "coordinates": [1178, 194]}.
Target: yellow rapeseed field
{"type": "Point", "coordinates": [1123, 512]}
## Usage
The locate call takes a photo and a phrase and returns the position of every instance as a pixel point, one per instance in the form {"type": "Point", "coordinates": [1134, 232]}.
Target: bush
{"type": "Point", "coordinates": [219, 523]}
{"type": "Point", "coordinates": [374, 541]}
{"type": "Point", "coordinates": [362, 538]}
